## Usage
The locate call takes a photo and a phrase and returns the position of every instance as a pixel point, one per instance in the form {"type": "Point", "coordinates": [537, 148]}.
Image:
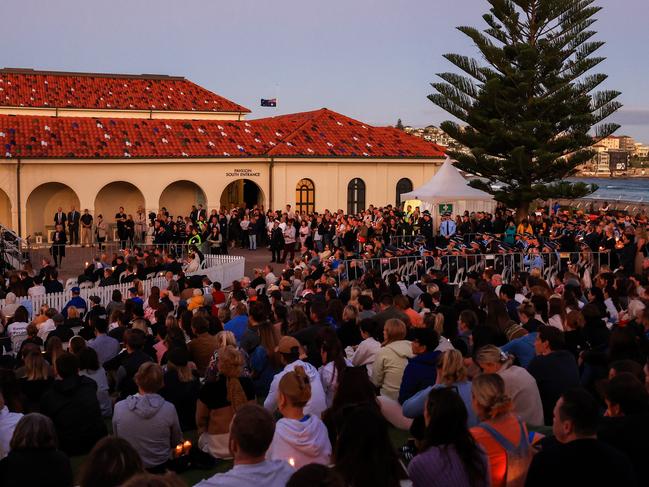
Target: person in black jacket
{"type": "Point", "coordinates": [554, 368]}
{"type": "Point", "coordinates": [181, 386]}
{"type": "Point", "coordinates": [307, 336]}
{"type": "Point", "coordinates": [72, 405]}
{"type": "Point", "coordinates": [127, 363]}
{"type": "Point", "coordinates": [58, 245]}
{"type": "Point", "coordinates": [276, 242]}
{"type": "Point", "coordinates": [34, 458]}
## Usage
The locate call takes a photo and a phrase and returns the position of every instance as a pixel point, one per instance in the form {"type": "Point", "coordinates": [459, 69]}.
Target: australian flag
{"type": "Point", "coordinates": [271, 102]}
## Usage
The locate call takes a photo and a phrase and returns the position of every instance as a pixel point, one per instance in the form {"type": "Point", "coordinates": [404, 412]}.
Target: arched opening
{"type": "Point", "coordinates": [355, 196]}
{"type": "Point", "coordinates": [305, 196]}
{"type": "Point", "coordinates": [5, 210]}
{"type": "Point", "coordinates": [113, 196]}
{"type": "Point", "coordinates": [242, 193]}
{"type": "Point", "coordinates": [179, 197]}
{"type": "Point", "coordinates": [42, 204]}
{"type": "Point", "coordinates": [404, 185]}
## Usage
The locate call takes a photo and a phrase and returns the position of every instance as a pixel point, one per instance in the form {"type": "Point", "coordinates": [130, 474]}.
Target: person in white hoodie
{"type": "Point", "coordinates": [148, 422]}
{"type": "Point", "coordinates": [299, 438]}
{"type": "Point", "coordinates": [289, 352]}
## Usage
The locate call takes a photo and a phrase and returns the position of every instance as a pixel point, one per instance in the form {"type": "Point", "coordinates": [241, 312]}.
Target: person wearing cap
{"type": "Point", "coordinates": [289, 352]}
{"type": "Point", "coordinates": [133, 296]}
{"type": "Point", "coordinates": [299, 438]}
{"type": "Point", "coordinates": [448, 227]}
{"type": "Point", "coordinates": [76, 301]}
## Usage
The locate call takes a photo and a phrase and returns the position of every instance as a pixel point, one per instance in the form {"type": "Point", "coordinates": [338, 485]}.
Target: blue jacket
{"type": "Point", "coordinates": [414, 406]}
{"type": "Point", "coordinates": [237, 325]}
{"type": "Point", "coordinates": [76, 301]}
{"type": "Point", "coordinates": [522, 348]}
{"type": "Point", "coordinates": [420, 373]}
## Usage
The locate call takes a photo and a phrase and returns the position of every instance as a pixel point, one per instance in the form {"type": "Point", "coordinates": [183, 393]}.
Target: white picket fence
{"type": "Point", "coordinates": [220, 268]}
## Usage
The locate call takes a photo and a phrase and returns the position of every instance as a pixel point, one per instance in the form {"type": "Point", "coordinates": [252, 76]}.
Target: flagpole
{"type": "Point", "coordinates": [276, 95]}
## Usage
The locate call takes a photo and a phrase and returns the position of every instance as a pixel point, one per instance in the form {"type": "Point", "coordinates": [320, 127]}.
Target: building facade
{"type": "Point", "coordinates": [99, 142]}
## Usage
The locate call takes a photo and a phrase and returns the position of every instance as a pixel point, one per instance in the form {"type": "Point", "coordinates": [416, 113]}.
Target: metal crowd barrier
{"type": "Point", "coordinates": [457, 267]}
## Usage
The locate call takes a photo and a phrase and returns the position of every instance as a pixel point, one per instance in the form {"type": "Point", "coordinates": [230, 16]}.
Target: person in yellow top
{"type": "Point", "coordinates": [524, 227]}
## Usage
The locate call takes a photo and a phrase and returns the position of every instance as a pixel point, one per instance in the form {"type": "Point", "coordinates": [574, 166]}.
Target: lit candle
{"type": "Point", "coordinates": [187, 445]}
{"type": "Point", "coordinates": [291, 462]}
{"type": "Point", "coordinates": [86, 263]}
{"type": "Point", "coordinates": [179, 449]}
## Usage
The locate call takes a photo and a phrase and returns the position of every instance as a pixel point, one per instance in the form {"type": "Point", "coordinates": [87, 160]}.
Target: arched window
{"type": "Point", "coordinates": [404, 185]}
{"type": "Point", "coordinates": [305, 196]}
{"type": "Point", "coordinates": [355, 196]}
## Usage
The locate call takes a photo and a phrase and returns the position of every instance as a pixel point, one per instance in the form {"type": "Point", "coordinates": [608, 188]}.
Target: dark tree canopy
{"type": "Point", "coordinates": [529, 106]}
{"type": "Point", "coordinates": [399, 124]}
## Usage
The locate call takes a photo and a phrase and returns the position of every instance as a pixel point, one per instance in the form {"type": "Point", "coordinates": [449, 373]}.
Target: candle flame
{"type": "Point", "coordinates": [291, 462]}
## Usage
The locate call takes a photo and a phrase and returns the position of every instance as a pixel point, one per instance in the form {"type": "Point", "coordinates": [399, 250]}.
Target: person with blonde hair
{"type": "Point", "coordinates": [148, 422]}
{"type": "Point", "coordinates": [501, 434]}
{"type": "Point", "coordinates": [391, 360]}
{"type": "Point", "coordinates": [519, 384]}
{"type": "Point", "coordinates": [388, 368]}
{"type": "Point", "coordinates": [299, 439]}
{"type": "Point", "coordinates": [219, 400]}
{"type": "Point", "coordinates": [451, 372]}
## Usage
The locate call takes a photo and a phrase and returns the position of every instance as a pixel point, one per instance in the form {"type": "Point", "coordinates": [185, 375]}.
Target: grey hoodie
{"type": "Point", "coordinates": [150, 424]}
{"type": "Point", "coordinates": [305, 441]}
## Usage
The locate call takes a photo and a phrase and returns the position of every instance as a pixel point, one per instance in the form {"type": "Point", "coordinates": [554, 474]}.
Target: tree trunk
{"type": "Point", "coordinates": [522, 211]}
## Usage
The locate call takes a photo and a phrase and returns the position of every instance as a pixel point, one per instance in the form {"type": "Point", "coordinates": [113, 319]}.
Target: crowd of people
{"type": "Point", "coordinates": [302, 378]}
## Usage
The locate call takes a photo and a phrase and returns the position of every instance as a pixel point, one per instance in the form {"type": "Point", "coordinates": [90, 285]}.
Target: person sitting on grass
{"type": "Point", "coordinates": [251, 433]}
{"type": "Point", "coordinates": [301, 438]}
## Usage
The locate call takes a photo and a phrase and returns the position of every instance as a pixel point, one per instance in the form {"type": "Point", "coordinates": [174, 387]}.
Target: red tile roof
{"type": "Point", "coordinates": [44, 89]}
{"type": "Point", "coordinates": [320, 133]}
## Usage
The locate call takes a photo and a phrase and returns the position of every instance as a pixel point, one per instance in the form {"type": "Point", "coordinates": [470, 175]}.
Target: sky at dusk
{"type": "Point", "coordinates": [369, 59]}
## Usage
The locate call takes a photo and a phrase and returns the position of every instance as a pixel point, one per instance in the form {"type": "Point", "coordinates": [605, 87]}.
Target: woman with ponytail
{"type": "Point", "coordinates": [219, 400]}
{"type": "Point", "coordinates": [501, 434]}
{"type": "Point", "coordinates": [299, 439]}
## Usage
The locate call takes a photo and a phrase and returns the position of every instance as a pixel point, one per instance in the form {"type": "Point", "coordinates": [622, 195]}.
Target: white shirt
{"type": "Point", "coordinates": [329, 379]}
{"type": "Point", "coordinates": [8, 422]}
{"type": "Point", "coordinates": [17, 332]}
{"type": "Point", "coordinates": [45, 329]}
{"type": "Point", "coordinates": [366, 354]}
{"type": "Point", "coordinates": [36, 291]}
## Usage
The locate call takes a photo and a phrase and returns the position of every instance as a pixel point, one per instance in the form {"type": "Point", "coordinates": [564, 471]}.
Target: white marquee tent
{"type": "Point", "coordinates": [448, 191]}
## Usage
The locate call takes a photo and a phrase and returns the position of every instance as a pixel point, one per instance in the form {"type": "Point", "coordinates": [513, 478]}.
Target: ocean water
{"type": "Point", "coordinates": [623, 189]}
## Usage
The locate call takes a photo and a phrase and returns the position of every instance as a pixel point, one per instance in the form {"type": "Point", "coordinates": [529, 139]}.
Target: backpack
{"type": "Point", "coordinates": [518, 457]}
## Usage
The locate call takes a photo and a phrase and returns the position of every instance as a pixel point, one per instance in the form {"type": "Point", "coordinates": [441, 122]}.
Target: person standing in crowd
{"type": "Point", "coordinates": [86, 221]}
{"type": "Point", "coordinates": [60, 217]}
{"type": "Point", "coordinates": [58, 245]}
{"type": "Point", "coordinates": [101, 231]}
{"type": "Point", "coordinates": [73, 225]}
{"type": "Point", "coordinates": [140, 225]}
{"type": "Point", "coordinates": [120, 221]}
{"type": "Point", "coordinates": [276, 242]}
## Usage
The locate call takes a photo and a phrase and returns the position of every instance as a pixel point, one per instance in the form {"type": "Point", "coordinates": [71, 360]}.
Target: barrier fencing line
{"type": "Point", "coordinates": [457, 267]}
